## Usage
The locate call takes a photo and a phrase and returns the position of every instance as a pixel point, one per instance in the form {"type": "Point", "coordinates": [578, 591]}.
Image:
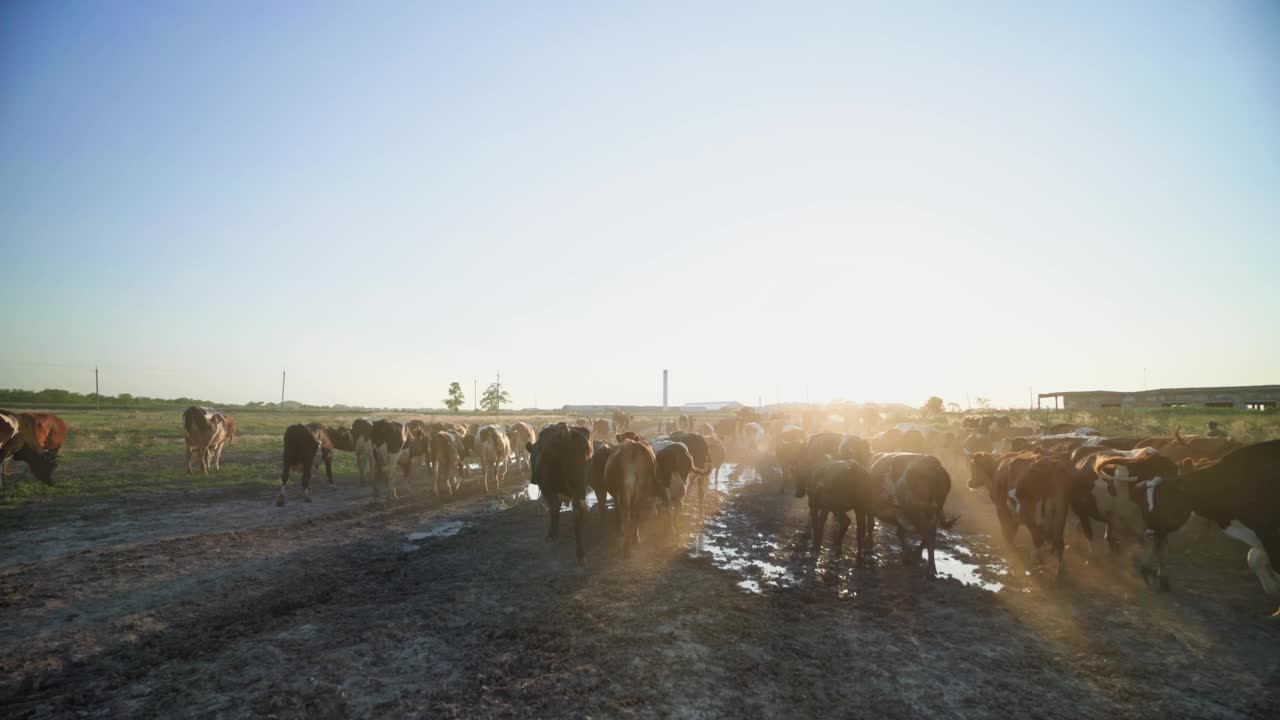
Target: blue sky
{"type": "Point", "coordinates": [837, 200]}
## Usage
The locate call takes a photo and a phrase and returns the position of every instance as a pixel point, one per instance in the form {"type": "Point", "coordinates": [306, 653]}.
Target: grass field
{"type": "Point", "coordinates": [119, 451]}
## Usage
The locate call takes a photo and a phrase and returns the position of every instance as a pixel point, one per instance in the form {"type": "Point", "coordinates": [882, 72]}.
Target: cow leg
{"type": "Point", "coordinates": [866, 528]}
{"type": "Point", "coordinates": [553, 508]}
{"type": "Point", "coordinates": [1113, 538]}
{"type": "Point", "coordinates": [815, 528]}
{"type": "Point", "coordinates": [189, 449]}
{"type": "Point", "coordinates": [579, 525]}
{"type": "Point", "coordinates": [909, 555]}
{"type": "Point", "coordinates": [217, 458]}
{"type": "Point", "coordinates": [843, 518]}
{"type": "Point", "coordinates": [328, 470]}
{"type": "Point", "coordinates": [284, 480]}
{"type": "Point", "coordinates": [1008, 526]}
{"type": "Point", "coordinates": [306, 482]}
{"type": "Point", "coordinates": [1262, 561]}
{"type": "Point", "coordinates": [362, 466]}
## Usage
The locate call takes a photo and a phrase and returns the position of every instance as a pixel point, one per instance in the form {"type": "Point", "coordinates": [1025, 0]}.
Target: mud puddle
{"type": "Point", "coordinates": [774, 556]}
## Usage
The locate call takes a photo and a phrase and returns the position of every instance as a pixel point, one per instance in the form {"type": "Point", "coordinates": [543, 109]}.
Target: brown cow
{"type": "Point", "coordinates": [302, 445]}
{"type": "Point", "coordinates": [204, 432]}
{"type": "Point", "coordinates": [362, 436]}
{"type": "Point", "coordinates": [34, 438]}
{"type": "Point", "coordinates": [718, 455]}
{"type": "Point", "coordinates": [1191, 447]}
{"type": "Point", "coordinates": [1027, 489]}
{"type": "Point", "coordinates": [630, 475]}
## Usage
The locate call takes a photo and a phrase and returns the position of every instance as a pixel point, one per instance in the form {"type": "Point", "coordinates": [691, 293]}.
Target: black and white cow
{"type": "Point", "coordinates": [390, 440]}
{"type": "Point", "coordinates": [303, 444]}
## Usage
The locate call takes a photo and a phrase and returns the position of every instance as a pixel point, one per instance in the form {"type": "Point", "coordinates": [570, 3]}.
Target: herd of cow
{"type": "Point", "coordinates": [1141, 489]}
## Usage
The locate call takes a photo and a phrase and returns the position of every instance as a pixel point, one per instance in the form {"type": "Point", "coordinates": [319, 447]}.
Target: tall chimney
{"type": "Point", "coordinates": [664, 391]}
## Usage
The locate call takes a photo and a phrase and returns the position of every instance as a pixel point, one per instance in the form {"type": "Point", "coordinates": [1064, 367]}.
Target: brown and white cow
{"type": "Point", "coordinates": [446, 460]}
{"type": "Point", "coordinates": [519, 435]}
{"type": "Point", "coordinates": [1240, 494]}
{"type": "Point", "coordinates": [33, 438]}
{"type": "Point", "coordinates": [204, 432]}
{"type": "Point", "coordinates": [495, 452]}
{"type": "Point", "coordinates": [303, 444]}
{"type": "Point", "coordinates": [672, 474]}
{"type": "Point", "coordinates": [1104, 488]}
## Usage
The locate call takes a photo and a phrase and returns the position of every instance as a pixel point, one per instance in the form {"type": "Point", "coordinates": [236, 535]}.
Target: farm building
{"type": "Point", "coordinates": [1245, 397]}
{"type": "Point", "coordinates": [716, 406]}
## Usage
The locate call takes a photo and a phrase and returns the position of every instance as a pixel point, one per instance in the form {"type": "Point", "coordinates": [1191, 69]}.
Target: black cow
{"type": "Point", "coordinates": [595, 470]}
{"type": "Point", "coordinates": [557, 465]}
{"type": "Point", "coordinates": [838, 488]}
{"type": "Point", "coordinates": [302, 443]}
{"type": "Point", "coordinates": [700, 450]}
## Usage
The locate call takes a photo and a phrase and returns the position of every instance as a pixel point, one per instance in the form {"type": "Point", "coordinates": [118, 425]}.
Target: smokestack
{"type": "Point", "coordinates": [664, 391]}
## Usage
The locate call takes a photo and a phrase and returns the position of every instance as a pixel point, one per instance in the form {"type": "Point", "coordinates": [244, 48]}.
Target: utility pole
{"type": "Point", "coordinates": [282, 388]}
{"type": "Point", "coordinates": [475, 396]}
{"type": "Point", "coordinates": [497, 400]}
{"type": "Point", "coordinates": [96, 394]}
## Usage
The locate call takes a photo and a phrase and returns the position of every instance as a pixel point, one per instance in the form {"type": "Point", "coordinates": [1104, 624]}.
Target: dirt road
{"type": "Point", "coordinates": [224, 606]}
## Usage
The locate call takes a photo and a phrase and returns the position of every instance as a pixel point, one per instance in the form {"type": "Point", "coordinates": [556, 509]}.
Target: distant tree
{"type": "Point", "coordinates": [982, 402]}
{"type": "Point", "coordinates": [493, 398]}
{"type": "Point", "coordinates": [456, 399]}
{"type": "Point", "coordinates": [933, 406]}
{"type": "Point", "coordinates": [953, 407]}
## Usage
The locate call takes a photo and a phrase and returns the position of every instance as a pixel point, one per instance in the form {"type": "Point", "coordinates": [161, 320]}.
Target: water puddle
{"type": "Point", "coordinates": [955, 566]}
{"type": "Point", "coordinates": [534, 493]}
{"type": "Point", "coordinates": [447, 528]}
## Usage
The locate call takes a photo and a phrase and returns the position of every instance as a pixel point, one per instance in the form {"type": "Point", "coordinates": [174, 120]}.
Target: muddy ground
{"type": "Point", "coordinates": [221, 605]}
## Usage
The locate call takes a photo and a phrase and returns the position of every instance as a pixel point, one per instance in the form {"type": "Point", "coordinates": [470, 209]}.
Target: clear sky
{"type": "Point", "coordinates": [874, 202]}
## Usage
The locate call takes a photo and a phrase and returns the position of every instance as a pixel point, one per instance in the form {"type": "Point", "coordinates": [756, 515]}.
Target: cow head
{"type": "Point", "coordinates": [232, 430]}
{"type": "Point", "coordinates": [1165, 506]}
{"type": "Point", "coordinates": [628, 435]}
{"type": "Point", "coordinates": [42, 464]}
{"type": "Point", "coordinates": [982, 468]}
{"type": "Point", "coordinates": [341, 439]}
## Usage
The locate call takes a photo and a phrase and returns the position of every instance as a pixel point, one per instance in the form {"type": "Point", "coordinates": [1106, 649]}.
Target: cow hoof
{"type": "Point", "coordinates": [1164, 584]}
{"type": "Point", "coordinates": [306, 499]}
{"type": "Point", "coordinates": [279, 502]}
